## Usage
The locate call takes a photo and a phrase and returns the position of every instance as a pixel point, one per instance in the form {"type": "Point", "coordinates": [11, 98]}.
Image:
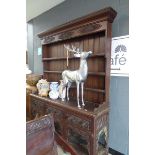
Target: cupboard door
{"type": "Point", "coordinates": [102, 134]}
{"type": "Point", "coordinates": [79, 140]}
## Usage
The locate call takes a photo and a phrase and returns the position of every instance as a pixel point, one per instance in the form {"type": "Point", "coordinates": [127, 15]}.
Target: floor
{"type": "Point", "coordinates": [60, 152]}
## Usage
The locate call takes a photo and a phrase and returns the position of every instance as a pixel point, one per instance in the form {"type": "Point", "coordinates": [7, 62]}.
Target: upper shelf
{"type": "Point", "coordinates": [64, 58]}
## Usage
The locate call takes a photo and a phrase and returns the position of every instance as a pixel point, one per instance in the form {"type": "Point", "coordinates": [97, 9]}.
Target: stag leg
{"type": "Point", "coordinates": [63, 96]}
{"type": "Point", "coordinates": [77, 84]}
{"type": "Point", "coordinates": [68, 86]}
{"type": "Point", "coordinates": [82, 83]}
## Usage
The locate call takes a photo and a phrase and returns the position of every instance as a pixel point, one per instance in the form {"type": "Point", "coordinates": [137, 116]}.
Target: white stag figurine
{"type": "Point", "coordinates": [77, 76]}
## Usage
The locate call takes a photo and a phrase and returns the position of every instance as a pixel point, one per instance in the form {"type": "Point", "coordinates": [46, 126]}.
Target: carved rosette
{"type": "Point", "coordinates": [79, 122]}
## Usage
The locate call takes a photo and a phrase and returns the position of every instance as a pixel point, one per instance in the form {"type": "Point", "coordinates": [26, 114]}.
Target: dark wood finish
{"type": "Point", "coordinates": [29, 90]}
{"type": "Point", "coordinates": [40, 137]}
{"type": "Point", "coordinates": [85, 122]}
{"type": "Point", "coordinates": [88, 125]}
{"type": "Point", "coordinates": [89, 24]}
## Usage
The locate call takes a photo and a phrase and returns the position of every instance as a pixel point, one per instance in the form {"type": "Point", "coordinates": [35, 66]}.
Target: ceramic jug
{"type": "Point", "coordinates": [54, 93]}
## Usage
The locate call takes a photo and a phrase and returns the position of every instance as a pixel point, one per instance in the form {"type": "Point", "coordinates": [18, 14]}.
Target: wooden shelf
{"type": "Point", "coordinates": [96, 73]}
{"type": "Point", "coordinates": [90, 89]}
{"type": "Point", "coordinates": [89, 73]}
{"type": "Point", "coordinates": [64, 58]}
{"type": "Point", "coordinates": [59, 72]}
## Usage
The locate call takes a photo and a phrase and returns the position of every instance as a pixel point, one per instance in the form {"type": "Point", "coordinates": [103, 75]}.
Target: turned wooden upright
{"type": "Point", "coordinates": [89, 124]}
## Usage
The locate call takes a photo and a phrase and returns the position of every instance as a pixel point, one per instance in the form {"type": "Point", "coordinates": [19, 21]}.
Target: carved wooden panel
{"type": "Point", "coordinates": [90, 27]}
{"type": "Point", "coordinates": [67, 35]}
{"type": "Point", "coordinates": [38, 125]}
{"type": "Point", "coordinates": [58, 118]}
{"type": "Point", "coordinates": [40, 137]}
{"type": "Point", "coordinates": [48, 39]}
{"type": "Point", "coordinates": [78, 125]}
{"type": "Point", "coordinates": [76, 32]}
{"type": "Point", "coordinates": [80, 141]}
{"type": "Point", "coordinates": [101, 141]}
{"type": "Point", "coordinates": [101, 122]}
{"type": "Point", "coordinates": [102, 134]}
{"type": "Point", "coordinates": [58, 114]}
{"type": "Point", "coordinates": [77, 121]}
{"type": "Point", "coordinates": [37, 107]}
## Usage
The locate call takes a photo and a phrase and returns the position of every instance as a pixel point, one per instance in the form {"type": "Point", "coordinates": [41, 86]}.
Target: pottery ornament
{"type": "Point", "coordinates": [43, 87]}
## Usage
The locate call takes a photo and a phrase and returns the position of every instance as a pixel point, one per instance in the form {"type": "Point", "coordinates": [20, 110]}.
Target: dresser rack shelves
{"type": "Point", "coordinates": [88, 125]}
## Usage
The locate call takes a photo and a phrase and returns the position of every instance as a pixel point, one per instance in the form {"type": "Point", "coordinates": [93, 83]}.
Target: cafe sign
{"type": "Point", "coordinates": [119, 56]}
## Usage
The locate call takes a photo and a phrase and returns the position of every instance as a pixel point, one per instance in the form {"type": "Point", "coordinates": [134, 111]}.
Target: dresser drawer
{"type": "Point", "coordinates": [58, 114]}
{"type": "Point", "coordinates": [79, 122]}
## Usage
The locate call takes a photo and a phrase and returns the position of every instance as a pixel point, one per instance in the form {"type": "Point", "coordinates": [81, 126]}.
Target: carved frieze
{"type": "Point", "coordinates": [68, 34]}
{"type": "Point", "coordinates": [65, 35]}
{"type": "Point", "coordinates": [47, 39]}
{"type": "Point", "coordinates": [89, 28]}
{"type": "Point", "coordinates": [32, 127]}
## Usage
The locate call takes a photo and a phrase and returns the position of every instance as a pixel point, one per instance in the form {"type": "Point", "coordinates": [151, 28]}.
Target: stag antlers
{"type": "Point", "coordinates": [74, 49]}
